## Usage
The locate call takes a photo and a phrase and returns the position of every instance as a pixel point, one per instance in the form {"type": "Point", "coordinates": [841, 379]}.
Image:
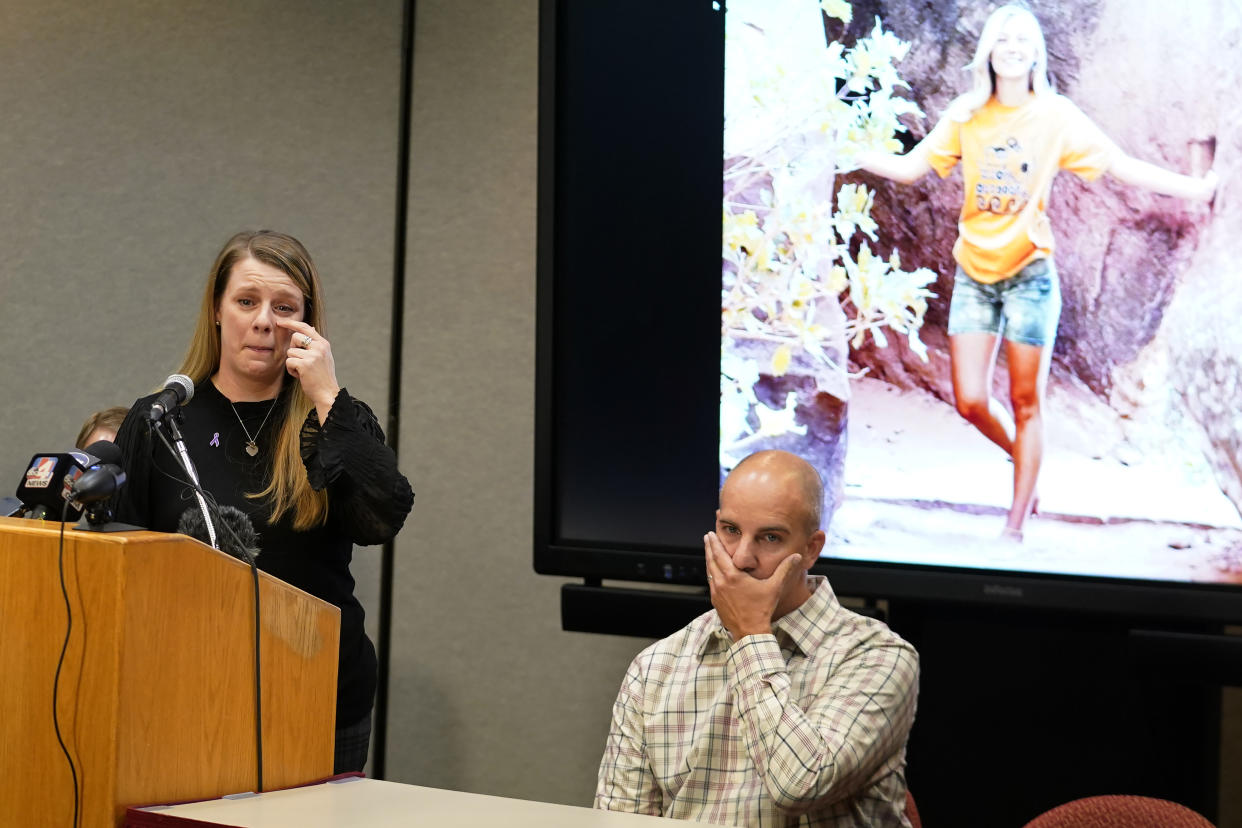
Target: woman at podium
{"type": "Point", "coordinates": [272, 433]}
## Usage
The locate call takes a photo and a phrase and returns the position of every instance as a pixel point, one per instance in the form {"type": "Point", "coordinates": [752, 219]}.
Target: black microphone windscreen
{"type": "Point", "coordinates": [106, 451]}
{"type": "Point", "coordinates": [241, 542]}
{"type": "Point", "coordinates": [191, 523]}
{"type": "Point", "coordinates": [243, 534]}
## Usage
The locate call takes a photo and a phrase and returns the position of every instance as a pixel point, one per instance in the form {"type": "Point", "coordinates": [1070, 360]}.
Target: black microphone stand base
{"type": "Point", "coordinates": [97, 517]}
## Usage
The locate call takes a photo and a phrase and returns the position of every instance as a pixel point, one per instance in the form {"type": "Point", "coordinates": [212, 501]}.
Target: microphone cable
{"type": "Point", "coordinates": [214, 507]}
{"type": "Point", "coordinates": [64, 591]}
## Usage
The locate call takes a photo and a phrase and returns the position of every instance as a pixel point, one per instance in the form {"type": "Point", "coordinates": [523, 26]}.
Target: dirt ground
{"type": "Point", "coordinates": [1119, 498]}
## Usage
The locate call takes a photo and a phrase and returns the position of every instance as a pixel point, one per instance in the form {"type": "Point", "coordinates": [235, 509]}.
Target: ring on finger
{"type": "Point", "coordinates": [306, 341]}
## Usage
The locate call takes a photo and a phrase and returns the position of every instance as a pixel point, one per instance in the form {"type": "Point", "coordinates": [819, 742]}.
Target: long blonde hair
{"type": "Point", "coordinates": [287, 488]}
{"type": "Point", "coordinates": [983, 79]}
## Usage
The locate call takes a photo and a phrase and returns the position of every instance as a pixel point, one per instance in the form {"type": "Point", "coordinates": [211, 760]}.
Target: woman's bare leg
{"type": "Point", "coordinates": [973, 356]}
{"type": "Point", "coordinates": [1028, 377]}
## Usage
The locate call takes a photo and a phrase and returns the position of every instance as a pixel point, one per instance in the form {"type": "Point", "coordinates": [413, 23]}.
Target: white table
{"type": "Point", "coordinates": [371, 803]}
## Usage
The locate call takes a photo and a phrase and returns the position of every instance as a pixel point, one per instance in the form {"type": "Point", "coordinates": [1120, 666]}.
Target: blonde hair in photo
{"type": "Point", "coordinates": [983, 80]}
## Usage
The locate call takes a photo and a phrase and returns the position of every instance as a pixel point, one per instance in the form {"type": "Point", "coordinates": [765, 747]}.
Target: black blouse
{"type": "Point", "coordinates": [368, 500]}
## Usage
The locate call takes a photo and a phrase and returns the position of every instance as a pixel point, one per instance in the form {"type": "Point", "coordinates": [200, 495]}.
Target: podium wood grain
{"type": "Point", "coordinates": [156, 693]}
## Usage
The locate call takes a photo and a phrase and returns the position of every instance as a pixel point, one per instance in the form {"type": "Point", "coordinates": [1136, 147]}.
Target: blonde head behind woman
{"type": "Point", "coordinates": [102, 425]}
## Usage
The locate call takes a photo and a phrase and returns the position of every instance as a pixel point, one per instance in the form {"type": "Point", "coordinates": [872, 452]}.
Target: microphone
{"type": "Point", "coordinates": [242, 542]}
{"type": "Point", "coordinates": [178, 390]}
{"type": "Point", "coordinates": [89, 493]}
{"type": "Point", "coordinates": [50, 479]}
{"type": "Point", "coordinates": [104, 451]}
{"type": "Point", "coordinates": [99, 483]}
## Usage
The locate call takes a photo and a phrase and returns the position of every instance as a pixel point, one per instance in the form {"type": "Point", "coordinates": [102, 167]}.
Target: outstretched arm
{"type": "Point", "coordinates": [904, 169]}
{"type": "Point", "coordinates": [1129, 170]}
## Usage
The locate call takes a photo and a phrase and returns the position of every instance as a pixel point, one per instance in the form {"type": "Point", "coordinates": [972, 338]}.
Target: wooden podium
{"type": "Point", "coordinates": [156, 699]}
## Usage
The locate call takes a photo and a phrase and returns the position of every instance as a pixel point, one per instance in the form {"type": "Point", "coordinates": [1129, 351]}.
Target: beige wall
{"type": "Point", "coordinates": [136, 137]}
{"type": "Point", "coordinates": [488, 694]}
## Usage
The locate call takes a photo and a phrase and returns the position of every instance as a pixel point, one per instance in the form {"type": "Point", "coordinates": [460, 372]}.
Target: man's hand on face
{"type": "Point", "coordinates": [745, 603]}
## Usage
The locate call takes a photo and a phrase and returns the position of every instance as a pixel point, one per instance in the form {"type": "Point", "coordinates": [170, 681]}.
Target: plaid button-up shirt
{"type": "Point", "coordinates": [806, 726]}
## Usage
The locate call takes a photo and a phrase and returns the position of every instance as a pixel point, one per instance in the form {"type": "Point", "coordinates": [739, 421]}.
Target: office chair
{"type": "Point", "coordinates": [1120, 812]}
{"type": "Point", "coordinates": [912, 811]}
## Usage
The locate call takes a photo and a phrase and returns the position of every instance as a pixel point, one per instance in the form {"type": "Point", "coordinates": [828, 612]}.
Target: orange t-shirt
{"type": "Point", "coordinates": [1010, 155]}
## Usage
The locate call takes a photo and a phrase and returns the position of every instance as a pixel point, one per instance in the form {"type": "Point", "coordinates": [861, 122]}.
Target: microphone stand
{"type": "Point", "coordinates": [96, 515]}
{"type": "Point", "coordinates": [188, 465]}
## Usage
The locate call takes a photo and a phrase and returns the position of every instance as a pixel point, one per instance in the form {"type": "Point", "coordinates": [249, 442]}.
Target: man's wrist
{"type": "Point", "coordinates": [744, 632]}
{"type": "Point", "coordinates": [751, 659]}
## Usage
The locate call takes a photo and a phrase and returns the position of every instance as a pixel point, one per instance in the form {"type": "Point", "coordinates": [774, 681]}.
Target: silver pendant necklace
{"type": "Point", "coordinates": [252, 448]}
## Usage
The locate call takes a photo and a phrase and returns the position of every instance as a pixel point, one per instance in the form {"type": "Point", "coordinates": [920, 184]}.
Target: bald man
{"type": "Point", "coordinates": [779, 706]}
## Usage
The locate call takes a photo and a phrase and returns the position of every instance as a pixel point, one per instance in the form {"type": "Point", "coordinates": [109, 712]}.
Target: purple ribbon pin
{"type": "Point", "coordinates": [215, 440]}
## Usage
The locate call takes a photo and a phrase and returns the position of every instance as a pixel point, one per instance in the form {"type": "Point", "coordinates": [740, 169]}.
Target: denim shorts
{"type": "Point", "coordinates": [1024, 308]}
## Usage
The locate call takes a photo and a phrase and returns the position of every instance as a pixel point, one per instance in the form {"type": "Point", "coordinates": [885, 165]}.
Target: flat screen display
{"type": "Point", "coordinates": [719, 275]}
{"type": "Point", "coordinates": [851, 339]}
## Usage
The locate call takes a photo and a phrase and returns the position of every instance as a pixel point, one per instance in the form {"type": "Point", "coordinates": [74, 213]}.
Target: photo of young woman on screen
{"type": "Point", "coordinates": [882, 323]}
